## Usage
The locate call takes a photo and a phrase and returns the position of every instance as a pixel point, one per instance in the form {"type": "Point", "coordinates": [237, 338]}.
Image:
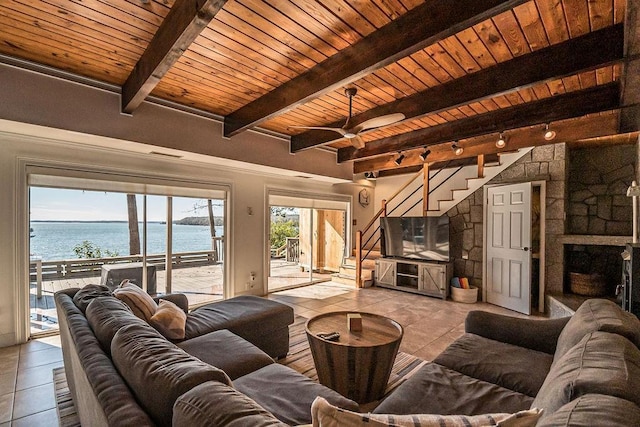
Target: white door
{"type": "Point", "coordinates": [509, 246]}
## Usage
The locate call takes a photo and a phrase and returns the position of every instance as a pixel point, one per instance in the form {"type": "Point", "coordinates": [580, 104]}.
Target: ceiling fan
{"type": "Point", "coordinates": [351, 133]}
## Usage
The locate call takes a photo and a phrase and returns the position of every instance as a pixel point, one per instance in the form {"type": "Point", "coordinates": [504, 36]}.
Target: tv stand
{"type": "Point", "coordinates": [422, 277]}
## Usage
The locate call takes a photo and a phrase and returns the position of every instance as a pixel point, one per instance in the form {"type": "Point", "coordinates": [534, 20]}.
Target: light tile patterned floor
{"type": "Point", "coordinates": [430, 324]}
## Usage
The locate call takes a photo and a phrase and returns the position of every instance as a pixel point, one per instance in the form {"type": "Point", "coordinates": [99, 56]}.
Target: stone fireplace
{"type": "Point", "coordinates": [599, 217]}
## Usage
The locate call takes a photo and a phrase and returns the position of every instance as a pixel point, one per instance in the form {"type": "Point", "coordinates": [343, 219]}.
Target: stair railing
{"type": "Point", "coordinates": [359, 244]}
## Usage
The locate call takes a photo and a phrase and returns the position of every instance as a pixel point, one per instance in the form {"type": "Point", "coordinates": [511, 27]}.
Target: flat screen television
{"type": "Point", "coordinates": [416, 237]}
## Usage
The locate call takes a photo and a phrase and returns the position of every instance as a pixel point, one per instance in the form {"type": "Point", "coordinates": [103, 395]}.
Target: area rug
{"type": "Point", "coordinates": [299, 359]}
{"type": "Point", "coordinates": [67, 414]}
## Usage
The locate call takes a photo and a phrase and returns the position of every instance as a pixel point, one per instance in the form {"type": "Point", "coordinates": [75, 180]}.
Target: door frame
{"type": "Point", "coordinates": [542, 265]}
{"type": "Point", "coordinates": [270, 190]}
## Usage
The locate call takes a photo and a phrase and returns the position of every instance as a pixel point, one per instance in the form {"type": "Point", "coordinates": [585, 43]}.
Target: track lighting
{"type": "Point", "coordinates": [399, 159]}
{"type": "Point", "coordinates": [457, 149]}
{"type": "Point", "coordinates": [371, 176]}
{"type": "Point", "coordinates": [548, 133]}
{"type": "Point", "coordinates": [424, 154]}
{"type": "Point", "coordinates": [501, 142]}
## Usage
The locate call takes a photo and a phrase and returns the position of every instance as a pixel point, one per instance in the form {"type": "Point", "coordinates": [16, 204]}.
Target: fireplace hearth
{"type": "Point", "coordinates": [592, 270]}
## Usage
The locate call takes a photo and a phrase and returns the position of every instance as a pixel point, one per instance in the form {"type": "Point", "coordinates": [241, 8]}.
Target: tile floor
{"type": "Point", "coordinates": [430, 324]}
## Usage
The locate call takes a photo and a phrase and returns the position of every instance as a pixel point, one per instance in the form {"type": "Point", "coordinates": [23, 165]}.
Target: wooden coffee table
{"type": "Point", "coordinates": [359, 364]}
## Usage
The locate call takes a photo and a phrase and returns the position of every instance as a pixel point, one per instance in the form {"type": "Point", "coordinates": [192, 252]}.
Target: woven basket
{"type": "Point", "coordinates": [468, 296]}
{"type": "Point", "coordinates": [588, 285]}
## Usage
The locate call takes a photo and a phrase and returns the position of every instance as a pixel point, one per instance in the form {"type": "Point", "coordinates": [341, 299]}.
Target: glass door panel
{"type": "Point", "coordinates": [311, 255]}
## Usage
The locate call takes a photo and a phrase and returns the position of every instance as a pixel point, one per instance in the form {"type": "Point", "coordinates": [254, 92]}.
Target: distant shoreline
{"type": "Point", "coordinates": [91, 221]}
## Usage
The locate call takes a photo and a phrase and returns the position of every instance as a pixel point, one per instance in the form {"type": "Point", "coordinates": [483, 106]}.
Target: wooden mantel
{"type": "Point", "coordinates": [596, 240]}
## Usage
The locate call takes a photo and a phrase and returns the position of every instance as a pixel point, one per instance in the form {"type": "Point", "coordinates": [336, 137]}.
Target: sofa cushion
{"type": "Point", "coordinates": [594, 410]}
{"type": "Point", "coordinates": [326, 415]}
{"type": "Point", "coordinates": [262, 322]}
{"type": "Point", "coordinates": [84, 296]}
{"type": "Point", "coordinates": [435, 389]}
{"type": "Point", "coordinates": [90, 370]}
{"type": "Point", "coordinates": [215, 404]}
{"type": "Point", "coordinates": [169, 320]}
{"type": "Point", "coordinates": [287, 394]}
{"type": "Point", "coordinates": [238, 314]}
{"type": "Point", "coordinates": [227, 351]}
{"type": "Point", "coordinates": [601, 363]}
{"type": "Point", "coordinates": [157, 371]}
{"type": "Point", "coordinates": [597, 315]}
{"type": "Point", "coordinates": [140, 303]}
{"type": "Point", "coordinates": [107, 315]}
{"type": "Point", "coordinates": [497, 362]}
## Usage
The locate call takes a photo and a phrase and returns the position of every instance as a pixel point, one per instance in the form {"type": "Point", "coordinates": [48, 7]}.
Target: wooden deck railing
{"type": "Point", "coordinates": [40, 270]}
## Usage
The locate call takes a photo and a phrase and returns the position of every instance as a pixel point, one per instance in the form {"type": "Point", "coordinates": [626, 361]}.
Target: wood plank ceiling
{"type": "Point", "coordinates": [459, 71]}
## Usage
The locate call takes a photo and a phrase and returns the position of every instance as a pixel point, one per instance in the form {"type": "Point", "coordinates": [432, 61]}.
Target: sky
{"type": "Point", "coordinates": [51, 204]}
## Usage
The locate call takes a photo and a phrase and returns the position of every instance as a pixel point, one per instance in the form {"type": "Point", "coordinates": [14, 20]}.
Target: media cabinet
{"type": "Point", "coordinates": [423, 277]}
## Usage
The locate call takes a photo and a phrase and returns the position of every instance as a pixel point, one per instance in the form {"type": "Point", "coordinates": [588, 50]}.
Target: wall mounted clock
{"type": "Point", "coordinates": [363, 197]}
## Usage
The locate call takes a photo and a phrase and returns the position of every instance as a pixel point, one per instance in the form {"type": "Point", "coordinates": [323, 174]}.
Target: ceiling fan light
{"type": "Point", "coordinates": [501, 142]}
{"type": "Point", "coordinates": [424, 154]}
{"type": "Point", "coordinates": [549, 134]}
{"type": "Point", "coordinates": [349, 135]}
{"type": "Point", "coordinates": [399, 159]}
{"type": "Point", "coordinates": [457, 149]}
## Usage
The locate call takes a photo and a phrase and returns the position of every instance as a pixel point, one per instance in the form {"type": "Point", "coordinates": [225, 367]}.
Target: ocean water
{"type": "Point", "coordinates": [56, 240]}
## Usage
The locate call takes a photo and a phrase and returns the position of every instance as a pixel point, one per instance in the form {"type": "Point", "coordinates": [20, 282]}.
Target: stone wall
{"type": "Point", "coordinates": [547, 163]}
{"type": "Point", "coordinates": [598, 181]}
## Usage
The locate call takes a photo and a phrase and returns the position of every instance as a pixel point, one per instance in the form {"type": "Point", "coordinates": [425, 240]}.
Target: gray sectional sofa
{"type": "Point", "coordinates": [582, 371]}
{"type": "Point", "coordinates": [122, 372]}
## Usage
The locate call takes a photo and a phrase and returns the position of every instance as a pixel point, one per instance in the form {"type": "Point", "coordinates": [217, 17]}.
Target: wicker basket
{"type": "Point", "coordinates": [468, 296]}
{"type": "Point", "coordinates": [588, 285]}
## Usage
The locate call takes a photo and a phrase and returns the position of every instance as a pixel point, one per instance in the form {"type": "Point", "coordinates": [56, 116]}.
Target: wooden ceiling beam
{"type": "Point", "coordinates": [184, 22]}
{"type": "Point", "coordinates": [630, 96]}
{"type": "Point", "coordinates": [420, 27]}
{"type": "Point", "coordinates": [583, 53]}
{"type": "Point", "coordinates": [561, 107]}
{"type": "Point", "coordinates": [568, 130]}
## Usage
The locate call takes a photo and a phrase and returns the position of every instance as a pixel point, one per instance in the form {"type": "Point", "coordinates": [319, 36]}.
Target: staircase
{"type": "Point", "coordinates": [447, 189]}
{"type": "Point", "coordinates": [465, 182]}
{"type": "Point", "coordinates": [347, 274]}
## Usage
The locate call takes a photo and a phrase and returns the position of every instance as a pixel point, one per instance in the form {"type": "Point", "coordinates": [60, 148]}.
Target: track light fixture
{"type": "Point", "coordinates": [424, 154]}
{"type": "Point", "coordinates": [549, 134]}
{"type": "Point", "coordinates": [457, 149]}
{"type": "Point", "coordinates": [371, 176]}
{"type": "Point", "coordinates": [399, 159]}
{"type": "Point", "coordinates": [501, 142]}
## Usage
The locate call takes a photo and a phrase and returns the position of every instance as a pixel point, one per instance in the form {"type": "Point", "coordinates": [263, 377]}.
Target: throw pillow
{"type": "Point", "coordinates": [326, 415]}
{"type": "Point", "coordinates": [140, 303]}
{"type": "Point", "coordinates": [84, 296]}
{"type": "Point", "coordinates": [169, 320]}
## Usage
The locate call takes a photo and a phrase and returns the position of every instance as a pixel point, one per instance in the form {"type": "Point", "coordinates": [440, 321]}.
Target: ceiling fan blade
{"type": "Point", "coordinates": [339, 130]}
{"type": "Point", "coordinates": [377, 122]}
{"type": "Point", "coordinates": [357, 142]}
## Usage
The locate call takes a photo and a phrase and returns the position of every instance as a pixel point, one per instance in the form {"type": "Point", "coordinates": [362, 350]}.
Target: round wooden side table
{"type": "Point", "coordinates": [358, 365]}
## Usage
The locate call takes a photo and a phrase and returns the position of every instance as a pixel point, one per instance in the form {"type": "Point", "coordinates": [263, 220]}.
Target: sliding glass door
{"type": "Point", "coordinates": [161, 243]}
{"type": "Point", "coordinates": [307, 244]}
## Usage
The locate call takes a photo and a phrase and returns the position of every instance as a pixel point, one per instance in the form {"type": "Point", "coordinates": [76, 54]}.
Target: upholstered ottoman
{"type": "Point", "coordinates": [262, 322]}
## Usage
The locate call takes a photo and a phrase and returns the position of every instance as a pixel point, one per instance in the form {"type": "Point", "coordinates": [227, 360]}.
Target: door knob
{"type": "Point", "coordinates": [526, 249]}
